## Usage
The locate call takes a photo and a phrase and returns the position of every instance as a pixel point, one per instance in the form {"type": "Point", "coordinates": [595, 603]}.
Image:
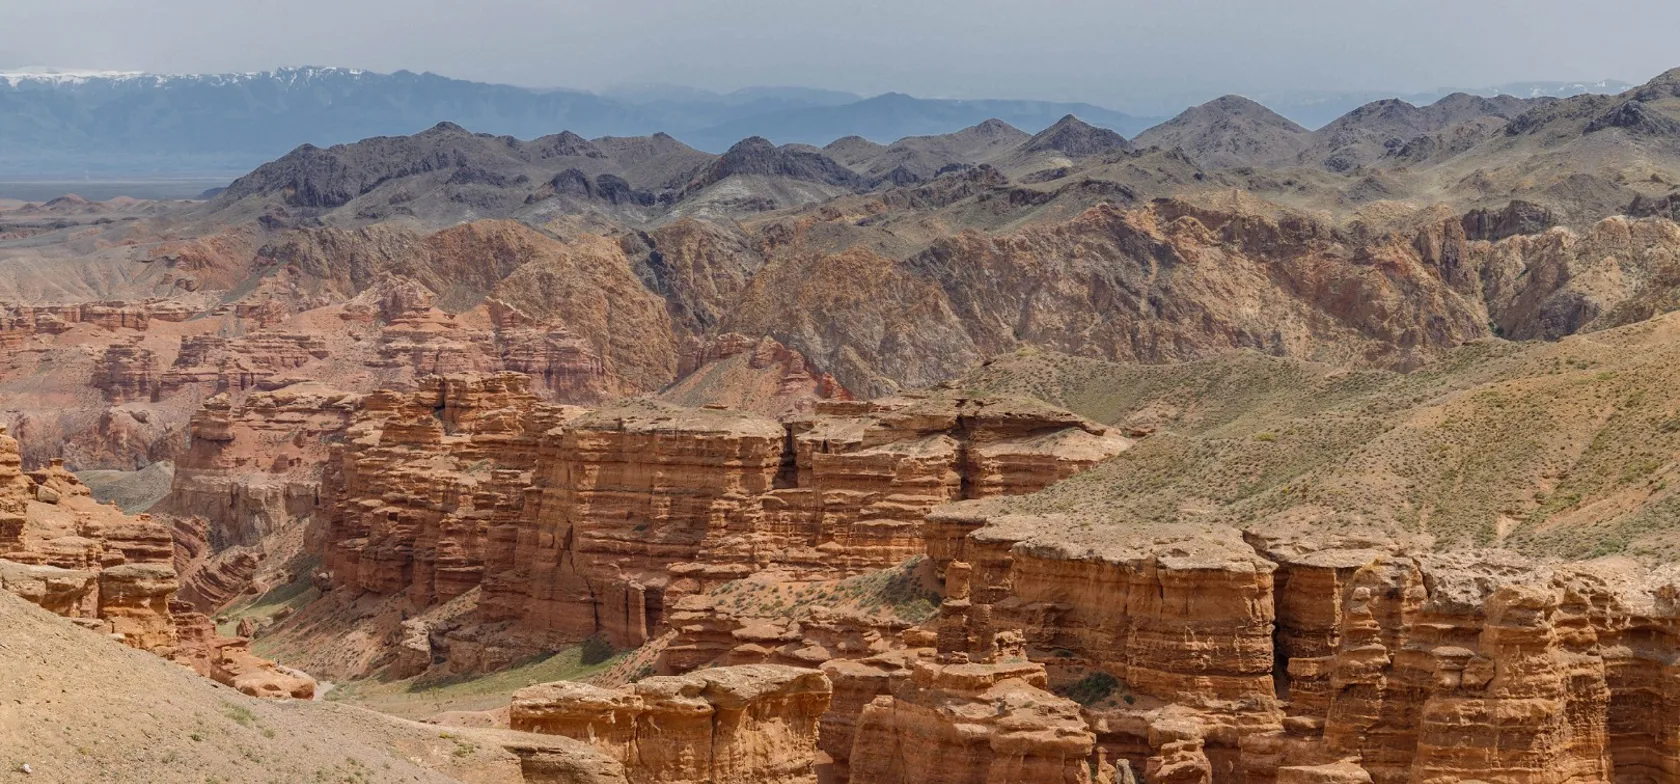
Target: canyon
{"type": "Point", "coordinates": [1234, 452]}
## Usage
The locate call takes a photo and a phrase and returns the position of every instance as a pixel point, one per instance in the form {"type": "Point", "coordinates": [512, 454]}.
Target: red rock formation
{"type": "Point", "coordinates": [640, 505]}
{"type": "Point", "coordinates": [113, 573]}
{"type": "Point", "coordinates": [732, 725]}
{"type": "Point", "coordinates": [62, 591]}
{"type": "Point", "coordinates": [243, 363]}
{"type": "Point", "coordinates": [210, 580]}
{"type": "Point", "coordinates": [705, 634]}
{"type": "Point", "coordinates": [427, 476]}
{"type": "Point", "coordinates": [762, 376]}
{"type": "Point", "coordinates": [1293, 658]}
{"type": "Point", "coordinates": [256, 467]}
{"type": "Point", "coordinates": [959, 723]}
{"type": "Point", "coordinates": [128, 372]}
{"type": "Point", "coordinates": [83, 559]}
{"type": "Point", "coordinates": [134, 601]}
{"type": "Point", "coordinates": [18, 323]}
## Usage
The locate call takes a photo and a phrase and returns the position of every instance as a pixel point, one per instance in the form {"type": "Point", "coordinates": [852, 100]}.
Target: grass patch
{"type": "Point", "coordinates": [294, 595]}
{"type": "Point", "coordinates": [897, 593]}
{"type": "Point", "coordinates": [240, 714]}
{"type": "Point", "coordinates": [423, 696]}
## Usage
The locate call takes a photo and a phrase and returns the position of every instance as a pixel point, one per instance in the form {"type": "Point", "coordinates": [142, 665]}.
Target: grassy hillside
{"type": "Point", "coordinates": [1563, 449]}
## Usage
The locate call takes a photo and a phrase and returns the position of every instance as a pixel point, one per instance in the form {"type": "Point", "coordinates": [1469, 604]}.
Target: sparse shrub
{"type": "Point", "coordinates": [597, 650]}
{"type": "Point", "coordinates": [1091, 689]}
{"type": "Point", "coordinates": [240, 714]}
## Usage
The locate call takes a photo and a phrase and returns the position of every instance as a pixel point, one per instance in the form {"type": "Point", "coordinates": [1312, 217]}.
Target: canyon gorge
{"type": "Point", "coordinates": [1232, 453]}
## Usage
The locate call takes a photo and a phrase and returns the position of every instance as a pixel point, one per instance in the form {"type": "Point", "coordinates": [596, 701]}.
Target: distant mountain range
{"type": "Point", "coordinates": [102, 125]}
{"type": "Point", "coordinates": [107, 124]}
{"type": "Point", "coordinates": [1316, 109]}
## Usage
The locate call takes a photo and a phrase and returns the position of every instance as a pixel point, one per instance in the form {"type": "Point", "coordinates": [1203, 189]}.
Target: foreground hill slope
{"type": "Point", "coordinates": [80, 708]}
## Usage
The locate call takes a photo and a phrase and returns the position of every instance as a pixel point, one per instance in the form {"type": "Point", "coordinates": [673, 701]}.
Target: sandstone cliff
{"type": "Point", "coordinates": [640, 505]}
{"type": "Point", "coordinates": [965, 722]}
{"type": "Point", "coordinates": [82, 559]}
{"type": "Point", "coordinates": [732, 725]}
{"type": "Point", "coordinates": [1285, 657]}
{"type": "Point", "coordinates": [428, 477]}
{"type": "Point", "coordinates": [114, 574]}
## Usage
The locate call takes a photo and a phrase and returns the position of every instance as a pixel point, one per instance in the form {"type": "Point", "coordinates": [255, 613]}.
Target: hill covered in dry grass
{"type": "Point", "coordinates": [1562, 449]}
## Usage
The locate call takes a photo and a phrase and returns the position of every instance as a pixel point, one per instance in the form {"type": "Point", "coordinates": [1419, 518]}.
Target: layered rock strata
{"type": "Point", "coordinates": [256, 466]}
{"type": "Point", "coordinates": [71, 555]}
{"type": "Point", "coordinates": [731, 725]}
{"type": "Point", "coordinates": [426, 479]}
{"type": "Point", "coordinates": [763, 376]}
{"type": "Point", "coordinates": [637, 506]}
{"type": "Point", "coordinates": [114, 574]}
{"type": "Point", "coordinates": [1289, 657]}
{"type": "Point", "coordinates": [972, 723]}
{"type": "Point", "coordinates": [706, 633]}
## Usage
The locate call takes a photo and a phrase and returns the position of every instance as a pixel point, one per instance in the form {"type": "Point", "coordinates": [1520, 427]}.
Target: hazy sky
{"type": "Point", "coordinates": [1115, 52]}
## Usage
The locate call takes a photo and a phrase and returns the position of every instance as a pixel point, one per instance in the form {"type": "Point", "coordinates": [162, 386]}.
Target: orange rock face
{"type": "Point", "coordinates": [762, 376]}
{"type": "Point", "coordinates": [426, 477]}
{"type": "Point", "coordinates": [115, 574]}
{"type": "Point", "coordinates": [638, 506]}
{"type": "Point", "coordinates": [959, 723]}
{"type": "Point", "coordinates": [1286, 658]}
{"type": "Point", "coordinates": [731, 725]}
{"type": "Point", "coordinates": [255, 467]}
{"type": "Point", "coordinates": [62, 550]}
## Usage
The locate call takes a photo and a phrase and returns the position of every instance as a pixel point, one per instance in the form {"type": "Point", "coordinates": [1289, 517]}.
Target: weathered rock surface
{"type": "Point", "coordinates": [640, 505]}
{"type": "Point", "coordinates": [65, 552]}
{"type": "Point", "coordinates": [427, 477]}
{"type": "Point", "coordinates": [61, 550]}
{"type": "Point", "coordinates": [761, 376]}
{"type": "Point", "coordinates": [963, 722]}
{"type": "Point", "coordinates": [1286, 657]}
{"type": "Point", "coordinates": [732, 725]}
{"type": "Point", "coordinates": [257, 466]}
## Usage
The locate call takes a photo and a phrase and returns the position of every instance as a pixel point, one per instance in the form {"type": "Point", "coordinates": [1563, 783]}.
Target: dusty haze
{"type": "Point", "coordinates": [1135, 55]}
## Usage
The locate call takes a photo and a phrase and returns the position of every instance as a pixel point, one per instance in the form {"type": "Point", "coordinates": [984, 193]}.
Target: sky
{"type": "Point", "coordinates": [1120, 53]}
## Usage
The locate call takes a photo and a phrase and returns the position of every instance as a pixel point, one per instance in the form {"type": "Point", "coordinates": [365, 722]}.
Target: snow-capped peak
{"type": "Point", "coordinates": [75, 77]}
{"type": "Point", "coordinates": [62, 75]}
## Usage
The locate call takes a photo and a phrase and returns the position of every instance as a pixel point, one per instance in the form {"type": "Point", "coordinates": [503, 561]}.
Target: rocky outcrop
{"type": "Point", "coordinates": [210, 579]}
{"type": "Point", "coordinates": [19, 323]}
{"type": "Point", "coordinates": [61, 591]}
{"type": "Point", "coordinates": [757, 156]}
{"type": "Point", "coordinates": [256, 466]}
{"type": "Point", "coordinates": [128, 372]}
{"type": "Point", "coordinates": [1518, 218]}
{"type": "Point", "coordinates": [229, 661]}
{"type": "Point", "coordinates": [237, 364]}
{"type": "Point", "coordinates": [1286, 656]}
{"type": "Point", "coordinates": [81, 559]}
{"type": "Point", "coordinates": [705, 632]}
{"type": "Point", "coordinates": [426, 478]}
{"type": "Point", "coordinates": [962, 722]}
{"type": "Point", "coordinates": [732, 725]}
{"type": "Point", "coordinates": [134, 602]}
{"type": "Point", "coordinates": [762, 376]}
{"type": "Point", "coordinates": [1076, 138]}
{"type": "Point", "coordinates": [87, 561]}
{"type": "Point", "coordinates": [114, 573]}
{"type": "Point", "coordinates": [637, 506]}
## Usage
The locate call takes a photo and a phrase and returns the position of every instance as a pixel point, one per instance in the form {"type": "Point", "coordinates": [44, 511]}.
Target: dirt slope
{"type": "Point", "coordinates": [77, 709]}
